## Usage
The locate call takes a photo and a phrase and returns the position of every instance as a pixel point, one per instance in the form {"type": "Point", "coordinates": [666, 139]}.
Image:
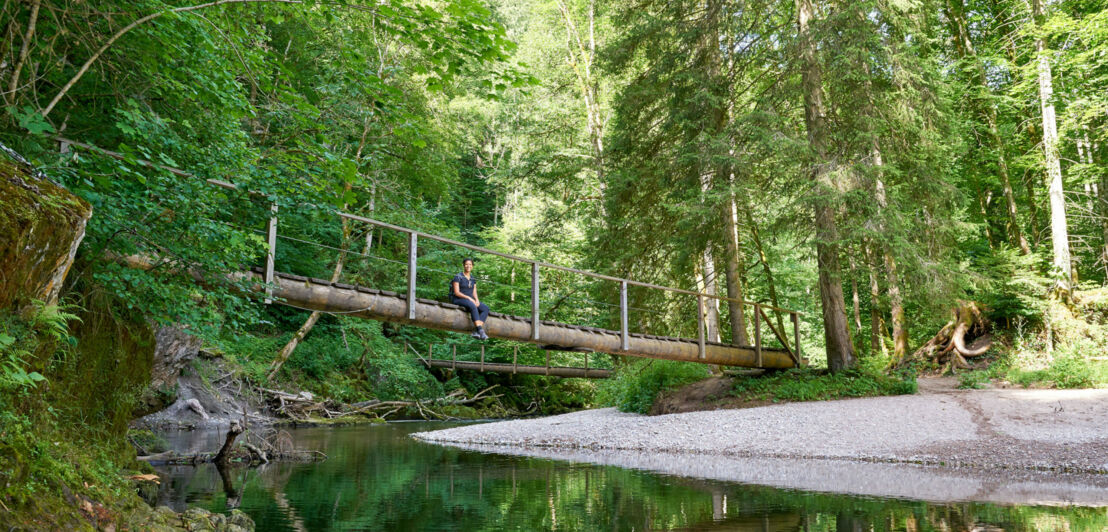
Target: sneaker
{"type": "Point", "coordinates": [477, 334]}
{"type": "Point", "coordinates": [484, 335]}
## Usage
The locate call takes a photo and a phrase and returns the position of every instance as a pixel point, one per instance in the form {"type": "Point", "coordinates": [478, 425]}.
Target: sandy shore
{"type": "Point", "coordinates": [1005, 445]}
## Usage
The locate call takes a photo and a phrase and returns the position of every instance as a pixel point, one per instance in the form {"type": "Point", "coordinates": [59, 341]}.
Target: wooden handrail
{"type": "Point", "coordinates": [414, 235]}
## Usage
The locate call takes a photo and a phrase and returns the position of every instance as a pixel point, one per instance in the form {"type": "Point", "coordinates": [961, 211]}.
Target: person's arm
{"type": "Point", "coordinates": [476, 300]}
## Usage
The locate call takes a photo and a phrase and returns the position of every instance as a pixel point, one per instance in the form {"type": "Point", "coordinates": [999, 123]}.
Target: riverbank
{"type": "Point", "coordinates": [1008, 433]}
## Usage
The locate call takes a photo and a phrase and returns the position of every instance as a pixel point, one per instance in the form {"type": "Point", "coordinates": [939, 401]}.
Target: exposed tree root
{"type": "Point", "coordinates": [949, 347]}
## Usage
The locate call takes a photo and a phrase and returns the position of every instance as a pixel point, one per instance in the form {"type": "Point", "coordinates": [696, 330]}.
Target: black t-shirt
{"type": "Point", "coordinates": [465, 286]}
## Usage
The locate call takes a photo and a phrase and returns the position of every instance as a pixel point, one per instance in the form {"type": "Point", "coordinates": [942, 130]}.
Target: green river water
{"type": "Point", "coordinates": [378, 478]}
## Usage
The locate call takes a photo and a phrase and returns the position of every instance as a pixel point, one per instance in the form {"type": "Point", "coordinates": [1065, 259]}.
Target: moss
{"type": "Point", "coordinates": [41, 221]}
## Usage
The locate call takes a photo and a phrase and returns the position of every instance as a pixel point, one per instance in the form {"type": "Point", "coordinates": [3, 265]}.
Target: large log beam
{"type": "Point", "coordinates": [319, 294]}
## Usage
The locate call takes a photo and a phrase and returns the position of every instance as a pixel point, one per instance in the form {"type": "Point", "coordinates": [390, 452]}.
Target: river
{"type": "Point", "coordinates": [376, 477]}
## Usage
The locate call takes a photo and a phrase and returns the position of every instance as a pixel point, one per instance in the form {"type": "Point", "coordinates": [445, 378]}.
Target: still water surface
{"type": "Point", "coordinates": [378, 478]}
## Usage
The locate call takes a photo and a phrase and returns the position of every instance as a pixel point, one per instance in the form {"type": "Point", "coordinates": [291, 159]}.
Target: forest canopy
{"type": "Point", "coordinates": [872, 164]}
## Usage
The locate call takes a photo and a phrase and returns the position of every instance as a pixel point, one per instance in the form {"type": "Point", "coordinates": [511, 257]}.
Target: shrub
{"type": "Point", "coordinates": [634, 387]}
{"type": "Point", "coordinates": [805, 384]}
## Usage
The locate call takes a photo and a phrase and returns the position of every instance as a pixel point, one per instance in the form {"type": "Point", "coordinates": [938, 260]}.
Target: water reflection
{"type": "Point", "coordinates": [377, 478]}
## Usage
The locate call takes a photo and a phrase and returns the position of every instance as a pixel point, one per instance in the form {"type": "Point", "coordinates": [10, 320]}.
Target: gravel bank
{"type": "Point", "coordinates": [1043, 435]}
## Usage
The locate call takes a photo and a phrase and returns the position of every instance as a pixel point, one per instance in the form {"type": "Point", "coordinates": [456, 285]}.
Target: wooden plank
{"type": "Point", "coordinates": [625, 342]}
{"type": "Point", "coordinates": [535, 301]}
{"type": "Point", "coordinates": [271, 254]}
{"type": "Point", "coordinates": [412, 243]}
{"type": "Point", "coordinates": [757, 335]}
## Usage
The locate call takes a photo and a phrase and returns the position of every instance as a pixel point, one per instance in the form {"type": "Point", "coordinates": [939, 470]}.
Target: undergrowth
{"type": "Point", "coordinates": [60, 468]}
{"type": "Point", "coordinates": [806, 384]}
{"type": "Point", "coordinates": [635, 386]}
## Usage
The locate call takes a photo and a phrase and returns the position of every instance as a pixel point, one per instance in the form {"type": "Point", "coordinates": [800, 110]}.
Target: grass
{"type": "Point", "coordinates": [805, 384]}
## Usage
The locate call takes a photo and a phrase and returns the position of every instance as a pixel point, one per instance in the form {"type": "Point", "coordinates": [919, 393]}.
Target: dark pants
{"type": "Point", "coordinates": [479, 313]}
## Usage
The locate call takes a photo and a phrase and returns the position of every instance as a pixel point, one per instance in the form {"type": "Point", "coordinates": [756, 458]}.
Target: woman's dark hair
{"type": "Point", "coordinates": [468, 259]}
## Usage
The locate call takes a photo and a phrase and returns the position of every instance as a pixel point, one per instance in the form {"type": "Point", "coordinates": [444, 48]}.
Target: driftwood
{"type": "Point", "coordinates": [224, 454]}
{"type": "Point", "coordinates": [273, 446]}
{"type": "Point", "coordinates": [949, 346]}
{"type": "Point", "coordinates": [303, 406]}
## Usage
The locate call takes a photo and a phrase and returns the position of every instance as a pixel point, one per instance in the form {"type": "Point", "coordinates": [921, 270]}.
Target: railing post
{"type": "Point", "coordinates": [548, 362]}
{"type": "Point", "coordinates": [454, 357]}
{"type": "Point", "coordinates": [482, 357]}
{"type": "Point", "coordinates": [412, 243]}
{"type": "Point", "coordinates": [624, 341]}
{"type": "Point", "coordinates": [758, 334]}
{"type": "Point", "coordinates": [796, 337]}
{"type": "Point", "coordinates": [271, 254]}
{"type": "Point", "coordinates": [534, 301]}
{"type": "Point", "coordinates": [700, 325]}
{"type": "Point", "coordinates": [515, 359]}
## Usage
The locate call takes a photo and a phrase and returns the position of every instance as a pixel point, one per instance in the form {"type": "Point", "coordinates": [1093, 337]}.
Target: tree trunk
{"type": "Point", "coordinates": [287, 350]}
{"type": "Point", "coordinates": [582, 56]}
{"type": "Point", "coordinates": [840, 350]}
{"type": "Point", "coordinates": [876, 323]}
{"type": "Point", "coordinates": [896, 302]}
{"type": "Point", "coordinates": [736, 311]}
{"type": "Point", "coordinates": [711, 306]}
{"type": "Point", "coordinates": [987, 111]}
{"type": "Point", "coordinates": [223, 457]}
{"type": "Point", "coordinates": [309, 324]}
{"type": "Point", "coordinates": [1102, 207]}
{"type": "Point", "coordinates": [1059, 231]}
{"type": "Point", "coordinates": [854, 295]}
{"type": "Point", "coordinates": [770, 285]}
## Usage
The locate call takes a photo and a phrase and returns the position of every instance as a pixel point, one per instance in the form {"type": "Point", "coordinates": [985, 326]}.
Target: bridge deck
{"type": "Point", "coordinates": [323, 295]}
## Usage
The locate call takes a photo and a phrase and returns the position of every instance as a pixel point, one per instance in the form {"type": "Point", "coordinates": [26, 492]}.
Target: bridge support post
{"type": "Point", "coordinates": [534, 301]}
{"type": "Point", "coordinates": [796, 337]}
{"type": "Point", "coordinates": [700, 325]}
{"type": "Point", "coordinates": [271, 255]}
{"type": "Point", "coordinates": [625, 342]}
{"type": "Point", "coordinates": [758, 334]}
{"type": "Point", "coordinates": [482, 357]}
{"type": "Point", "coordinates": [412, 243]}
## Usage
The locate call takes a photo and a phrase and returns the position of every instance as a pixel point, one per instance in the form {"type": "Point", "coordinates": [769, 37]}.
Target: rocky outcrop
{"type": "Point", "coordinates": [173, 349]}
{"type": "Point", "coordinates": [41, 225]}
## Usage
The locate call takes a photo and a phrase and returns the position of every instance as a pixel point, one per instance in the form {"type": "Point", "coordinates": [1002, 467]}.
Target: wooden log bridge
{"type": "Point", "coordinates": [318, 294]}
{"type": "Point", "coordinates": [323, 295]}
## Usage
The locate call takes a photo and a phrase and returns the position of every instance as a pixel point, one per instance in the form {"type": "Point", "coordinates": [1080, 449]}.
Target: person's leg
{"type": "Point", "coordinates": [469, 306]}
{"type": "Point", "coordinates": [474, 313]}
{"type": "Point", "coordinates": [483, 313]}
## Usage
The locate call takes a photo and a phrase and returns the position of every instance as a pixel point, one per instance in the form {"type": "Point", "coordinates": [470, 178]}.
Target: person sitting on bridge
{"type": "Point", "coordinates": [463, 292]}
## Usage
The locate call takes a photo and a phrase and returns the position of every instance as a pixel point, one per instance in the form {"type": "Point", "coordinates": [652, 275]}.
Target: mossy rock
{"type": "Point", "coordinates": [42, 223]}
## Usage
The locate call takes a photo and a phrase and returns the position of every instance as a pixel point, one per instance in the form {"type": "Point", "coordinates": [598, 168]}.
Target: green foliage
{"type": "Point", "coordinates": [1011, 286]}
{"type": "Point", "coordinates": [973, 380]}
{"type": "Point", "coordinates": [635, 386]}
{"type": "Point", "coordinates": [811, 385]}
{"type": "Point", "coordinates": [22, 340]}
